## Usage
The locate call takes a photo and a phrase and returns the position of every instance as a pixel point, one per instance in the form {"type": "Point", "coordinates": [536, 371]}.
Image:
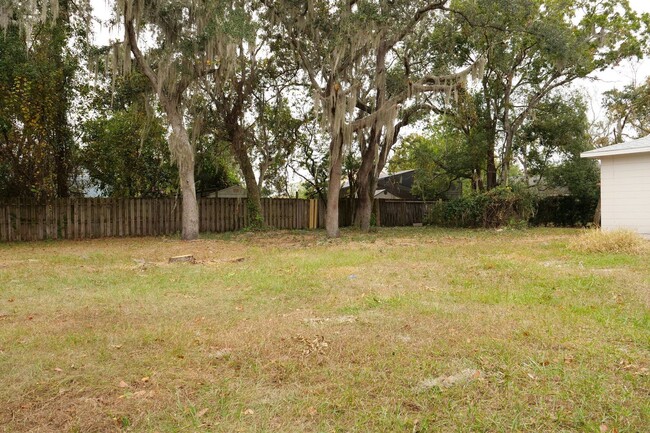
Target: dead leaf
{"type": "Point", "coordinates": [412, 406]}
{"type": "Point", "coordinates": [145, 379]}
{"type": "Point", "coordinates": [58, 370]}
{"type": "Point", "coordinates": [312, 411]}
{"type": "Point", "coordinates": [123, 384]}
{"type": "Point", "coordinates": [249, 412]}
{"type": "Point", "coordinates": [316, 346]}
{"type": "Point", "coordinates": [202, 412]}
{"type": "Point", "coordinates": [603, 428]}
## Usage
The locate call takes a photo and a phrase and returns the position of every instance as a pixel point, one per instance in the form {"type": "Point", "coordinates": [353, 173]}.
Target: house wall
{"type": "Point", "coordinates": [625, 190]}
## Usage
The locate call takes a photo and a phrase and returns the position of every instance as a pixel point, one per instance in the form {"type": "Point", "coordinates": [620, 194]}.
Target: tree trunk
{"type": "Point", "coordinates": [353, 193]}
{"type": "Point", "coordinates": [507, 158]}
{"type": "Point", "coordinates": [180, 146]}
{"type": "Point", "coordinates": [491, 168]}
{"type": "Point", "coordinates": [183, 153]}
{"type": "Point", "coordinates": [364, 206]}
{"type": "Point", "coordinates": [190, 228]}
{"type": "Point", "coordinates": [477, 180]}
{"type": "Point", "coordinates": [370, 158]}
{"type": "Point", "coordinates": [490, 125]}
{"type": "Point", "coordinates": [508, 130]}
{"type": "Point", "coordinates": [365, 190]}
{"type": "Point", "coordinates": [334, 188]}
{"type": "Point", "coordinates": [255, 217]}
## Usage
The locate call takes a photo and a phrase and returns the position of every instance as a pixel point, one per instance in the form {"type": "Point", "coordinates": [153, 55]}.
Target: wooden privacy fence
{"type": "Point", "coordinates": [400, 213]}
{"type": "Point", "coordinates": [106, 217]}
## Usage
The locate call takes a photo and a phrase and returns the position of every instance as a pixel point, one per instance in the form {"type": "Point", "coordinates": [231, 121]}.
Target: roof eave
{"type": "Point", "coordinates": [599, 153]}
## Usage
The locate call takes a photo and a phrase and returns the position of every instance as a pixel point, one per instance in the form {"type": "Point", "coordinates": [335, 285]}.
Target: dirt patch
{"type": "Point", "coordinates": [460, 378]}
{"type": "Point", "coordinates": [338, 320]}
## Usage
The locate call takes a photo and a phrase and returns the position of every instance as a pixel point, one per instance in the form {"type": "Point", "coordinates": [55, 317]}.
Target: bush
{"type": "Point", "coordinates": [616, 241]}
{"type": "Point", "coordinates": [495, 208]}
{"type": "Point", "coordinates": [565, 211]}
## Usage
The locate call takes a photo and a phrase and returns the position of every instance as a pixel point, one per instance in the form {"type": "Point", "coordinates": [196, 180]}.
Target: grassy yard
{"type": "Point", "coordinates": [288, 332]}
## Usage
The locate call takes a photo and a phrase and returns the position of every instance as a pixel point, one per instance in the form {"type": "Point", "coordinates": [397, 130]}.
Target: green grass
{"type": "Point", "coordinates": [310, 335]}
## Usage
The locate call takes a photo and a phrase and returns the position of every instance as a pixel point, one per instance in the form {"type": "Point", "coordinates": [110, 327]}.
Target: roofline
{"type": "Point", "coordinates": [385, 175]}
{"type": "Point", "coordinates": [640, 145]}
{"type": "Point", "coordinates": [599, 153]}
{"type": "Point", "coordinates": [346, 184]}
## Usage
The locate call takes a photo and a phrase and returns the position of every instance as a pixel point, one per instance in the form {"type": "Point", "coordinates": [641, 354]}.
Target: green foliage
{"type": "Point", "coordinates": [126, 155]}
{"type": "Point", "coordinates": [534, 47]}
{"type": "Point", "coordinates": [215, 168]}
{"type": "Point", "coordinates": [559, 129]}
{"type": "Point", "coordinates": [439, 158]}
{"type": "Point", "coordinates": [310, 162]}
{"type": "Point", "coordinates": [580, 176]}
{"type": "Point", "coordinates": [256, 219]}
{"type": "Point", "coordinates": [565, 211]}
{"type": "Point", "coordinates": [126, 151]}
{"type": "Point", "coordinates": [550, 145]}
{"type": "Point", "coordinates": [36, 144]}
{"type": "Point", "coordinates": [495, 208]}
{"type": "Point", "coordinates": [628, 110]}
{"type": "Point", "coordinates": [276, 134]}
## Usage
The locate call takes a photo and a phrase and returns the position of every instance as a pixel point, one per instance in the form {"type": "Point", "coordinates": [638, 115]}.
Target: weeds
{"type": "Point", "coordinates": [612, 242]}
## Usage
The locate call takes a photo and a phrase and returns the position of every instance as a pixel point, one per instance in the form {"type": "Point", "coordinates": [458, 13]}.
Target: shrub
{"type": "Point", "coordinates": [616, 241]}
{"type": "Point", "coordinates": [565, 211]}
{"type": "Point", "coordinates": [494, 208]}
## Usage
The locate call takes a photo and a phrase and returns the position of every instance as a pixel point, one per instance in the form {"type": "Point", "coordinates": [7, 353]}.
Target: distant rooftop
{"type": "Point", "coordinates": [382, 175]}
{"type": "Point", "coordinates": [641, 145]}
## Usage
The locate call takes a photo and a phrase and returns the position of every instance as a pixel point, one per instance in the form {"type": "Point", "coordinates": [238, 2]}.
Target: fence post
{"type": "Point", "coordinates": [378, 213]}
{"type": "Point", "coordinates": [313, 213]}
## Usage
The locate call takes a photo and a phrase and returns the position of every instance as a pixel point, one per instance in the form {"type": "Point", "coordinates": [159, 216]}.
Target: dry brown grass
{"type": "Point", "coordinates": [614, 242]}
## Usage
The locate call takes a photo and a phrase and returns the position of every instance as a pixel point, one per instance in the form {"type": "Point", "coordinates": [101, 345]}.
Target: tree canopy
{"type": "Point", "coordinates": [202, 94]}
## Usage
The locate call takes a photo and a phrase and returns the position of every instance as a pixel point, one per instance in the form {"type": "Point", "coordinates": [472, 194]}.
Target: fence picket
{"type": "Point", "coordinates": [105, 217]}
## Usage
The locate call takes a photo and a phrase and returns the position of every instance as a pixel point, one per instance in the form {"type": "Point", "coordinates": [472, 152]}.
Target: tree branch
{"type": "Point", "coordinates": [133, 44]}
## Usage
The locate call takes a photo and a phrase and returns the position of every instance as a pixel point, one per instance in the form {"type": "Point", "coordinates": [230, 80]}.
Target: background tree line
{"type": "Point", "coordinates": [203, 94]}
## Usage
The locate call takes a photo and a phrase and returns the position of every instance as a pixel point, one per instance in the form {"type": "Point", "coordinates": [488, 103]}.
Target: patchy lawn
{"type": "Point", "coordinates": [403, 330]}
